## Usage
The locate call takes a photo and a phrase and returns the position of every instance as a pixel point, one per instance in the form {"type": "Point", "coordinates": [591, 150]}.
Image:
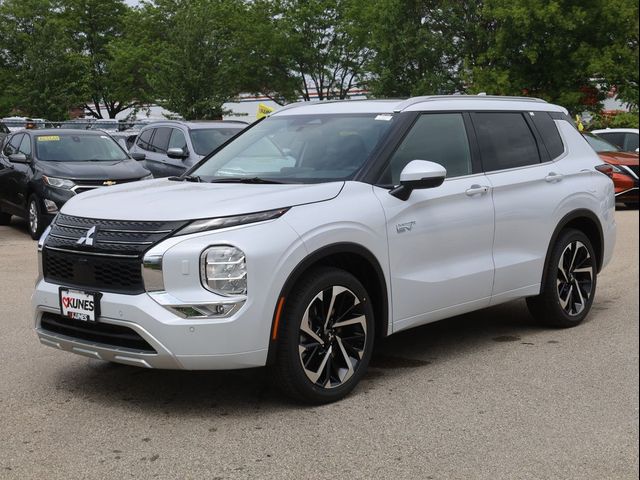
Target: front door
{"type": "Point", "coordinates": [440, 239]}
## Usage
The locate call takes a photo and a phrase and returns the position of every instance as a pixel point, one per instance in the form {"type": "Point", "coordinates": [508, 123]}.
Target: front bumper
{"type": "Point", "coordinates": [179, 344]}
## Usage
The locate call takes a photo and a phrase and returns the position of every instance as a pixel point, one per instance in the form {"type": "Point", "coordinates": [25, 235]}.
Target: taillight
{"type": "Point", "coordinates": [608, 169]}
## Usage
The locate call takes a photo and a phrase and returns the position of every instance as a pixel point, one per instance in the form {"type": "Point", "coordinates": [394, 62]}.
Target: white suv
{"type": "Point", "coordinates": [326, 226]}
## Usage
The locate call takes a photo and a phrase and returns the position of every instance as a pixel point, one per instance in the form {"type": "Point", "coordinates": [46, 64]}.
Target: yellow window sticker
{"type": "Point", "coordinates": [48, 138]}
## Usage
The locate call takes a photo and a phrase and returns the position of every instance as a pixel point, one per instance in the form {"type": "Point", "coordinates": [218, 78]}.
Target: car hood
{"type": "Point", "coordinates": [620, 158]}
{"type": "Point", "coordinates": [122, 170]}
{"type": "Point", "coordinates": [166, 200]}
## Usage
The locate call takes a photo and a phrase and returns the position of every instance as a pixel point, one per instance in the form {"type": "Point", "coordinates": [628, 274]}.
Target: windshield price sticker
{"type": "Point", "coordinates": [48, 138]}
{"type": "Point", "coordinates": [79, 305]}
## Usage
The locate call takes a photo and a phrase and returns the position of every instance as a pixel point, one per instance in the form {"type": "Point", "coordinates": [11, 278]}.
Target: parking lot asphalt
{"type": "Point", "coordinates": [489, 395]}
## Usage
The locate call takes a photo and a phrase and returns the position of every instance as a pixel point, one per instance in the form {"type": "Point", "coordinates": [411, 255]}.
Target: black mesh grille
{"type": "Point", "coordinates": [112, 260]}
{"type": "Point", "coordinates": [105, 274]}
{"type": "Point", "coordinates": [97, 332]}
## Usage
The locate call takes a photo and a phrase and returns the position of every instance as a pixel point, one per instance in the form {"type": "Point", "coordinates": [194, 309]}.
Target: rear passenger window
{"type": "Point", "coordinates": [549, 132]}
{"type": "Point", "coordinates": [436, 137]}
{"type": "Point", "coordinates": [144, 139]}
{"type": "Point", "coordinates": [505, 140]}
{"type": "Point", "coordinates": [11, 146]}
{"type": "Point", "coordinates": [161, 139]}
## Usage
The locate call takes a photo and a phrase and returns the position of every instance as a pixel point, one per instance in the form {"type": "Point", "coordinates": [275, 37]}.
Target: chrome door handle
{"type": "Point", "coordinates": [553, 177]}
{"type": "Point", "coordinates": [477, 190]}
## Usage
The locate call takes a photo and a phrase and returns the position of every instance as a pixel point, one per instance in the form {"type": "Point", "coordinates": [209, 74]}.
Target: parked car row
{"type": "Point", "coordinates": [43, 168]}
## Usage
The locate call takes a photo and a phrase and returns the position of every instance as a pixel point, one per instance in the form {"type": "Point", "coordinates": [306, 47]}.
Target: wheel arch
{"type": "Point", "coordinates": [588, 223]}
{"type": "Point", "coordinates": [351, 257]}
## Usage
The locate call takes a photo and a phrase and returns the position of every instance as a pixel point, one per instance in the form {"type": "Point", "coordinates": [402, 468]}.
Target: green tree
{"type": "Point", "coordinates": [565, 51]}
{"type": "Point", "coordinates": [115, 66]}
{"type": "Point", "coordinates": [40, 73]}
{"type": "Point", "coordinates": [325, 44]}
{"type": "Point", "coordinates": [195, 53]}
{"type": "Point", "coordinates": [417, 46]}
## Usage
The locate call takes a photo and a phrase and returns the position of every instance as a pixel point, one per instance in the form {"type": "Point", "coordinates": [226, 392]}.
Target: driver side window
{"type": "Point", "coordinates": [436, 137]}
{"type": "Point", "coordinates": [25, 146]}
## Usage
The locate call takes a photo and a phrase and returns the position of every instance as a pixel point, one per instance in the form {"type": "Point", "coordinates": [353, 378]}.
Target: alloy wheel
{"type": "Point", "coordinates": [575, 278]}
{"type": "Point", "coordinates": [333, 334]}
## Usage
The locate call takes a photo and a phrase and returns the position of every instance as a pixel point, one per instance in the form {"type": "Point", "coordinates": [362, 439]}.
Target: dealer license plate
{"type": "Point", "coordinates": [79, 305]}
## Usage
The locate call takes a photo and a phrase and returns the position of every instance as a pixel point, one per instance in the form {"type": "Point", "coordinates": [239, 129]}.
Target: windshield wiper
{"type": "Point", "coordinates": [186, 178]}
{"type": "Point", "coordinates": [250, 180]}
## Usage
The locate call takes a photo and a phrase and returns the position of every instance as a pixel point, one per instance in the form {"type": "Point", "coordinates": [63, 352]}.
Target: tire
{"type": "Point", "coordinates": [570, 284]}
{"type": "Point", "coordinates": [5, 218]}
{"type": "Point", "coordinates": [326, 376]}
{"type": "Point", "coordinates": [35, 220]}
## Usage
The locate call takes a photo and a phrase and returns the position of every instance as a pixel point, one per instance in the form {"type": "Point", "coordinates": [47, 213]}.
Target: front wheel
{"type": "Point", "coordinates": [35, 218]}
{"type": "Point", "coordinates": [326, 339]}
{"type": "Point", "coordinates": [570, 284]}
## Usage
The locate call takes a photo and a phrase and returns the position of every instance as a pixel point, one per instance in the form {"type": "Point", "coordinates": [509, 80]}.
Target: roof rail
{"type": "Point", "coordinates": [429, 98]}
{"type": "Point", "coordinates": [322, 102]}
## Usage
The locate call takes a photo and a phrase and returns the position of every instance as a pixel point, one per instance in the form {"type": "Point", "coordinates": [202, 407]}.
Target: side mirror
{"type": "Point", "coordinates": [138, 156]}
{"type": "Point", "coordinates": [18, 158]}
{"type": "Point", "coordinates": [176, 153]}
{"type": "Point", "coordinates": [419, 174]}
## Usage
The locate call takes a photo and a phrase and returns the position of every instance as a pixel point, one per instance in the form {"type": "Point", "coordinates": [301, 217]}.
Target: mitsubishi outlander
{"type": "Point", "coordinates": [327, 226]}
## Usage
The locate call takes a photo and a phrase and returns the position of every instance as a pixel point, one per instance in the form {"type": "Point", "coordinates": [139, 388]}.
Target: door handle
{"type": "Point", "coordinates": [553, 177]}
{"type": "Point", "coordinates": [477, 190]}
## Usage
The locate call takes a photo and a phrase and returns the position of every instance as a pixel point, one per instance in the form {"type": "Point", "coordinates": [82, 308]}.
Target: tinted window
{"type": "Point", "coordinates": [177, 140]}
{"type": "Point", "coordinates": [207, 140]}
{"type": "Point", "coordinates": [25, 145]}
{"type": "Point", "coordinates": [549, 132]}
{"type": "Point", "coordinates": [161, 139]}
{"type": "Point", "coordinates": [505, 141]}
{"type": "Point", "coordinates": [69, 147]}
{"type": "Point", "coordinates": [144, 139]}
{"type": "Point", "coordinates": [612, 137]}
{"type": "Point", "coordinates": [630, 142]}
{"type": "Point", "coordinates": [3, 128]}
{"type": "Point", "coordinates": [12, 145]}
{"type": "Point", "coordinates": [440, 138]}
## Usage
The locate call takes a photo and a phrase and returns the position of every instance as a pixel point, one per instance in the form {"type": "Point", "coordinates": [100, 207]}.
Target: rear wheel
{"type": "Point", "coordinates": [570, 285]}
{"type": "Point", "coordinates": [35, 219]}
{"type": "Point", "coordinates": [326, 340]}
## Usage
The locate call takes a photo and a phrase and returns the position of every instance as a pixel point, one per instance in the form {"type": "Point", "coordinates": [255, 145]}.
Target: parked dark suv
{"type": "Point", "coordinates": [41, 169]}
{"type": "Point", "coordinates": [171, 147]}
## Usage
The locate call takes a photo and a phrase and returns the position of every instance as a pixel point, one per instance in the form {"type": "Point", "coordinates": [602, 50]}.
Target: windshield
{"type": "Point", "coordinates": [206, 140]}
{"type": "Point", "coordinates": [599, 144]}
{"type": "Point", "coordinates": [69, 147]}
{"type": "Point", "coordinates": [299, 148]}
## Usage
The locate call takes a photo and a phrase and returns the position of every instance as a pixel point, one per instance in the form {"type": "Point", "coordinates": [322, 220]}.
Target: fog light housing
{"type": "Point", "coordinates": [223, 270]}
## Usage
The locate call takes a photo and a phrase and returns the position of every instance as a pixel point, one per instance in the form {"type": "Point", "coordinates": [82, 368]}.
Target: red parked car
{"type": "Point", "coordinates": [625, 173]}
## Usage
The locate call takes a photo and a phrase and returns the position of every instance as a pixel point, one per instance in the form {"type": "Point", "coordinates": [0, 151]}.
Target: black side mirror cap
{"type": "Point", "coordinates": [138, 156]}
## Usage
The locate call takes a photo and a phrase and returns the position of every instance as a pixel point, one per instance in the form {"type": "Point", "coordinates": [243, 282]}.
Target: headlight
{"type": "Point", "coordinates": [58, 182]}
{"type": "Point", "coordinates": [225, 222]}
{"type": "Point", "coordinates": [223, 270]}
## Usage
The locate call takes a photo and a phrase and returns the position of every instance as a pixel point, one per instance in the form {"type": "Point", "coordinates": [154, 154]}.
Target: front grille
{"type": "Point", "coordinates": [105, 274]}
{"type": "Point", "coordinates": [97, 332]}
{"type": "Point", "coordinates": [111, 263]}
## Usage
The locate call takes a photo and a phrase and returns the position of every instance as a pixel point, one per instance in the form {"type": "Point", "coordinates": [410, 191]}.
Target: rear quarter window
{"type": "Point", "coordinates": [548, 130]}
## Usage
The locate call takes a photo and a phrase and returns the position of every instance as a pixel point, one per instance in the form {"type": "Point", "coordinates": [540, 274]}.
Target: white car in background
{"type": "Point", "coordinates": [328, 225]}
{"type": "Point", "coordinates": [626, 139]}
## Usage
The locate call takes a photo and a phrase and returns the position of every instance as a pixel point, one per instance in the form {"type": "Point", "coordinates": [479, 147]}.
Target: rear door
{"type": "Point", "coordinates": [440, 239]}
{"type": "Point", "coordinates": [527, 187]}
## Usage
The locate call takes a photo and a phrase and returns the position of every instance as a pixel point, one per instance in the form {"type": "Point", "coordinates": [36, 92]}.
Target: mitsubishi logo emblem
{"type": "Point", "coordinates": [88, 239]}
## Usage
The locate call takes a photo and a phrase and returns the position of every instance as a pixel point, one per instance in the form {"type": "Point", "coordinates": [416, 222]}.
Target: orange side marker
{"type": "Point", "coordinates": [276, 321]}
